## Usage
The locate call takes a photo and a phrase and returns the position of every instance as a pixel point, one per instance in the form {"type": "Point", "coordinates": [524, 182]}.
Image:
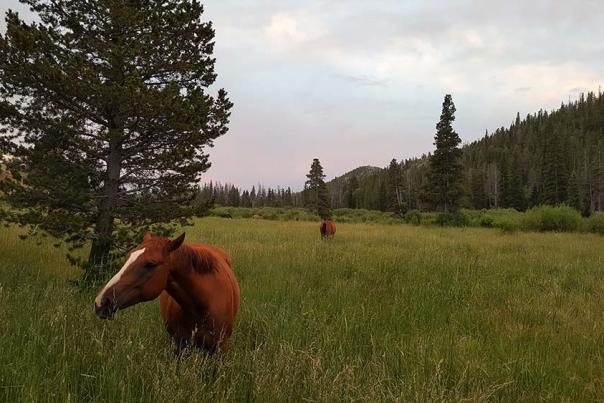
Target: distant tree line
{"type": "Point", "coordinates": [259, 196]}
{"type": "Point", "coordinates": [315, 195]}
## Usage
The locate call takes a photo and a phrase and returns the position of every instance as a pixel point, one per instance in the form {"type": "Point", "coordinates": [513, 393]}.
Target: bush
{"type": "Point", "coordinates": [346, 215]}
{"type": "Point", "coordinates": [486, 221]}
{"type": "Point", "coordinates": [452, 220]}
{"type": "Point", "coordinates": [413, 217]}
{"type": "Point", "coordinates": [596, 223]}
{"type": "Point", "coordinates": [548, 218]}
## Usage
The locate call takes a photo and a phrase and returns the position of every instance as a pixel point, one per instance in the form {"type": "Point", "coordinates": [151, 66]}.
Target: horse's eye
{"type": "Point", "coordinates": [150, 265]}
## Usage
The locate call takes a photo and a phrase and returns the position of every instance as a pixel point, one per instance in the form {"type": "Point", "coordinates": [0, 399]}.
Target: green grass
{"type": "Point", "coordinates": [379, 313]}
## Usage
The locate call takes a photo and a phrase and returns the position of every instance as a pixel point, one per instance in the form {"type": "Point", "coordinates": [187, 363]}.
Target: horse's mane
{"type": "Point", "coordinates": [202, 261]}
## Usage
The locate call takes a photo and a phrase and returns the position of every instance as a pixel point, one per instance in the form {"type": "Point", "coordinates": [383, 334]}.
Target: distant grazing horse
{"type": "Point", "coordinates": [328, 229]}
{"type": "Point", "coordinates": [199, 295]}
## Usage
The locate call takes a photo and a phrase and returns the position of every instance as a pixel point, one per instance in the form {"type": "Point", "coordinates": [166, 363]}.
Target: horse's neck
{"type": "Point", "coordinates": [183, 285]}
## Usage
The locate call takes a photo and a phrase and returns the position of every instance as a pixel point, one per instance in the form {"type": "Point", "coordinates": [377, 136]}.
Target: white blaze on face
{"type": "Point", "coordinates": [133, 256]}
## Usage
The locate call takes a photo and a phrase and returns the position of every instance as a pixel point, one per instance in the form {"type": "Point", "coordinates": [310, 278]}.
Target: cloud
{"type": "Point", "coordinates": [362, 80]}
{"type": "Point", "coordinates": [294, 28]}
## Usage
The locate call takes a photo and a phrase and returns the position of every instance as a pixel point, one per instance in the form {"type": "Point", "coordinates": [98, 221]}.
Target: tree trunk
{"type": "Point", "coordinates": [99, 259]}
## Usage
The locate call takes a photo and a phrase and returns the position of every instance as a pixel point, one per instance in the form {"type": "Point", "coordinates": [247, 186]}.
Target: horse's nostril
{"type": "Point", "coordinates": [104, 309]}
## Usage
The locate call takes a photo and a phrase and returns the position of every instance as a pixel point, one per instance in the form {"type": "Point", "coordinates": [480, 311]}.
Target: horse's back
{"type": "Point", "coordinates": [218, 297]}
{"type": "Point", "coordinates": [328, 228]}
{"type": "Point", "coordinates": [221, 263]}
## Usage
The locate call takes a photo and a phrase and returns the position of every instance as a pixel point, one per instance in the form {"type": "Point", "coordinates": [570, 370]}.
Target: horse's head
{"type": "Point", "coordinates": [142, 278]}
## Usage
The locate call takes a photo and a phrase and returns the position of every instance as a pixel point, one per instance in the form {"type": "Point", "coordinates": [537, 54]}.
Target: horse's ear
{"type": "Point", "coordinates": [175, 244]}
{"type": "Point", "coordinates": [147, 237]}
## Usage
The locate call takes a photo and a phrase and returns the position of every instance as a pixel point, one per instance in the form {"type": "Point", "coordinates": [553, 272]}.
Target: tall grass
{"type": "Point", "coordinates": [379, 313]}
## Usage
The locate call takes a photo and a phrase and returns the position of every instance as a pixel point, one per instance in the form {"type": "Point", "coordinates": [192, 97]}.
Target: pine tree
{"type": "Point", "coordinates": [504, 190]}
{"type": "Point", "coordinates": [515, 197]}
{"type": "Point", "coordinates": [288, 201]}
{"type": "Point", "coordinates": [477, 188]}
{"type": "Point", "coordinates": [555, 167]}
{"type": "Point", "coordinates": [444, 185]}
{"type": "Point", "coordinates": [233, 198]}
{"type": "Point", "coordinates": [394, 193]}
{"type": "Point", "coordinates": [253, 197]}
{"type": "Point", "coordinates": [245, 199]}
{"type": "Point", "coordinates": [574, 193]}
{"type": "Point", "coordinates": [350, 195]}
{"type": "Point", "coordinates": [270, 198]}
{"type": "Point", "coordinates": [317, 195]}
{"type": "Point", "coordinates": [108, 115]}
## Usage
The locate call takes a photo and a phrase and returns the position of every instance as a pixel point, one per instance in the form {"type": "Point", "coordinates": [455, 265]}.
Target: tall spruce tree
{"type": "Point", "coordinates": [394, 188]}
{"type": "Point", "coordinates": [105, 117]}
{"type": "Point", "coordinates": [444, 185]}
{"type": "Point", "coordinates": [317, 195]}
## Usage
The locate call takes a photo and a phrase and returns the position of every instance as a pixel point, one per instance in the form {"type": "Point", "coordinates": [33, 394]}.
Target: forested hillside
{"type": "Point", "coordinates": [545, 158]}
{"type": "Point", "coordinates": [353, 188]}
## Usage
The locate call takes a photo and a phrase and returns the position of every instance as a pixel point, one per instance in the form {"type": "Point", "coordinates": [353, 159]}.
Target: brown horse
{"type": "Point", "coordinates": [328, 229]}
{"type": "Point", "coordinates": [199, 295]}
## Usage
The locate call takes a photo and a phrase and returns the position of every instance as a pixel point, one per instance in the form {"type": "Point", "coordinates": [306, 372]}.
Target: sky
{"type": "Point", "coordinates": [359, 82]}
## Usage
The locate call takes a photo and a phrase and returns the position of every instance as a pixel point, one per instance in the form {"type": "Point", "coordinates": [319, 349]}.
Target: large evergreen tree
{"type": "Point", "coordinates": [444, 185]}
{"type": "Point", "coordinates": [105, 117]}
{"type": "Point", "coordinates": [317, 196]}
{"type": "Point", "coordinates": [394, 188]}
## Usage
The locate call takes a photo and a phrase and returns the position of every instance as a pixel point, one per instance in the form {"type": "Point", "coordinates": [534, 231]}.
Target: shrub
{"type": "Point", "coordinates": [413, 217]}
{"type": "Point", "coordinates": [596, 223]}
{"type": "Point", "coordinates": [548, 218]}
{"type": "Point", "coordinates": [486, 221]}
{"type": "Point", "coordinates": [452, 219]}
{"type": "Point", "coordinates": [223, 212]}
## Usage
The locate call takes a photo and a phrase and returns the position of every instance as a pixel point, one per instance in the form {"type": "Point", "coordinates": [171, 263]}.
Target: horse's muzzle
{"type": "Point", "coordinates": [105, 309]}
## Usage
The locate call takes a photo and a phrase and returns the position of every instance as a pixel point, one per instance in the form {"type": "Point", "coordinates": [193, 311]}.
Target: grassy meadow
{"type": "Point", "coordinates": [379, 313]}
